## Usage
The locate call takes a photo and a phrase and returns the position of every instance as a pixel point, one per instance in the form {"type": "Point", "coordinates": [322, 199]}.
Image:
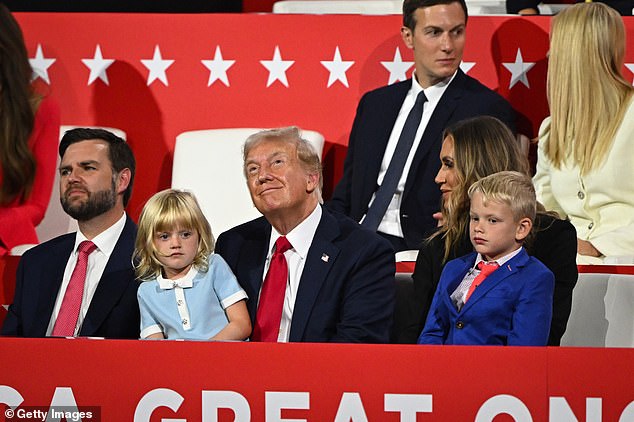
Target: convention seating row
{"type": "Point", "coordinates": [601, 316]}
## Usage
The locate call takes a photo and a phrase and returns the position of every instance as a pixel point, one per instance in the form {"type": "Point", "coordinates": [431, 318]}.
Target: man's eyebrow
{"type": "Point", "coordinates": [462, 25]}
{"type": "Point", "coordinates": [81, 163]}
{"type": "Point", "coordinates": [268, 157]}
{"type": "Point", "coordinates": [88, 162]}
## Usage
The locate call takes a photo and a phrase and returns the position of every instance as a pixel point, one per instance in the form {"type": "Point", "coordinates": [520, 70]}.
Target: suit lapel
{"type": "Point", "coordinates": [390, 107]}
{"type": "Point", "coordinates": [509, 268]}
{"type": "Point", "coordinates": [321, 258]}
{"type": "Point", "coordinates": [436, 125]}
{"type": "Point", "coordinates": [253, 257]}
{"type": "Point", "coordinates": [114, 281]}
{"type": "Point", "coordinates": [456, 278]}
{"type": "Point", "coordinates": [53, 270]}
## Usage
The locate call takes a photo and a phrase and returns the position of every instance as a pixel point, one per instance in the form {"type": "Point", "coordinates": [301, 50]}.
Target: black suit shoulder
{"type": "Point", "coordinates": [476, 99]}
{"type": "Point", "coordinates": [555, 245]}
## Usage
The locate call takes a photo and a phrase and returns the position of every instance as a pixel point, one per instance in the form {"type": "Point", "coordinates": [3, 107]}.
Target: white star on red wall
{"type": "Point", "coordinates": [157, 67]}
{"type": "Point", "coordinates": [518, 70]}
{"type": "Point", "coordinates": [337, 68]}
{"type": "Point", "coordinates": [40, 65]}
{"type": "Point", "coordinates": [277, 68]}
{"type": "Point", "coordinates": [218, 68]}
{"type": "Point", "coordinates": [466, 66]}
{"type": "Point", "coordinates": [397, 68]}
{"type": "Point", "coordinates": [98, 66]}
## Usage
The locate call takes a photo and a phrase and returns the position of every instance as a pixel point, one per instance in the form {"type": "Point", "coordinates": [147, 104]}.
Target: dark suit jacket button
{"type": "Point", "coordinates": [459, 325]}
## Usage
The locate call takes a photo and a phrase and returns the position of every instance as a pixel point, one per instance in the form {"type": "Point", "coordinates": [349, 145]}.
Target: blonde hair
{"type": "Point", "coordinates": [306, 154]}
{"type": "Point", "coordinates": [482, 146]}
{"type": "Point", "coordinates": [511, 188]}
{"type": "Point", "coordinates": [167, 210]}
{"type": "Point", "coordinates": [587, 93]}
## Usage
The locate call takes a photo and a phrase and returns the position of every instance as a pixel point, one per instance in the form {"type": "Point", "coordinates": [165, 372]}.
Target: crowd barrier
{"type": "Point", "coordinates": [142, 381]}
{"type": "Point", "coordinates": [602, 312]}
{"type": "Point", "coordinates": [233, 381]}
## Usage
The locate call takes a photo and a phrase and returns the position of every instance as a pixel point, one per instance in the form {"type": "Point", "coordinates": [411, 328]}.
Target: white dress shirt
{"type": "Point", "coordinates": [391, 223]}
{"type": "Point", "coordinates": [97, 261]}
{"type": "Point", "coordinates": [300, 238]}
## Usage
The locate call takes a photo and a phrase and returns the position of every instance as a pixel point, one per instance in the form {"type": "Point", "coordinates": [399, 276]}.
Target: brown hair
{"type": "Point", "coordinates": [482, 146]}
{"type": "Point", "coordinates": [18, 103]}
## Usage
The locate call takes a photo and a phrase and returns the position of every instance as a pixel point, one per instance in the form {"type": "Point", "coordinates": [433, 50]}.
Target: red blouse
{"type": "Point", "coordinates": [19, 218]}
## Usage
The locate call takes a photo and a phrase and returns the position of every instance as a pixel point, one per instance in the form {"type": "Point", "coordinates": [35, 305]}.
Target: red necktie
{"type": "Point", "coordinates": [71, 304]}
{"type": "Point", "coordinates": [485, 268]}
{"type": "Point", "coordinates": [269, 314]}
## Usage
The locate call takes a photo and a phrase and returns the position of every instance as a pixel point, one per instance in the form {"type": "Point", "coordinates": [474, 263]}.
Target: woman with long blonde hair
{"type": "Point", "coordinates": [473, 149]}
{"type": "Point", "coordinates": [584, 165]}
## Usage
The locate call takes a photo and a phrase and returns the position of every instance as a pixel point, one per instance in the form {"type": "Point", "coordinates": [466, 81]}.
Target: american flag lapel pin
{"type": "Point", "coordinates": [324, 257]}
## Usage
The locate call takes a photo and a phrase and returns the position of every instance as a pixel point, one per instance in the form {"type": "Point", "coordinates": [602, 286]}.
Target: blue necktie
{"type": "Point", "coordinates": [385, 192]}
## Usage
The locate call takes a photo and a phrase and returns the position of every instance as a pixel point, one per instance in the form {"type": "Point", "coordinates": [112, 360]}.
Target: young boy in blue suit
{"type": "Point", "coordinates": [513, 304]}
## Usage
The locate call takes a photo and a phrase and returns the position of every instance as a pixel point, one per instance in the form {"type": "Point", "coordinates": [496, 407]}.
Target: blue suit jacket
{"type": "Point", "coordinates": [512, 306]}
{"type": "Point", "coordinates": [346, 292]}
{"type": "Point", "coordinates": [376, 114]}
{"type": "Point", "coordinates": [113, 311]}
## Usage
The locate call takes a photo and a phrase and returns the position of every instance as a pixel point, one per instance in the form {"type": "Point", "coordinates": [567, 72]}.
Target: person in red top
{"type": "Point", "coordinates": [29, 135]}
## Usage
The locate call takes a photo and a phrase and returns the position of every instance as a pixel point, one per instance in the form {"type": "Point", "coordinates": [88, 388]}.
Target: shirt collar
{"type": "Point", "coordinates": [185, 281]}
{"type": "Point", "coordinates": [500, 261]}
{"type": "Point", "coordinates": [301, 237]}
{"type": "Point", "coordinates": [434, 92]}
{"type": "Point", "coordinates": [106, 240]}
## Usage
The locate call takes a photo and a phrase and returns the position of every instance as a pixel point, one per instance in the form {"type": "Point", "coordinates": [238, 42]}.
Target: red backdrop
{"type": "Point", "coordinates": [181, 99]}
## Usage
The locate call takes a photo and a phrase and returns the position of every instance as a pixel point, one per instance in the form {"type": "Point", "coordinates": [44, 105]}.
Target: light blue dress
{"type": "Point", "coordinates": [193, 313]}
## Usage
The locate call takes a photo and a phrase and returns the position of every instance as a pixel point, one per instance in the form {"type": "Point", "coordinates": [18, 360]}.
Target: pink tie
{"type": "Point", "coordinates": [485, 268]}
{"type": "Point", "coordinates": [71, 304]}
{"type": "Point", "coordinates": [269, 314]}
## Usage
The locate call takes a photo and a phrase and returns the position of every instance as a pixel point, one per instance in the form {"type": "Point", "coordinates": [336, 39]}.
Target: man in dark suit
{"type": "Point", "coordinates": [96, 176]}
{"type": "Point", "coordinates": [435, 30]}
{"type": "Point", "coordinates": [338, 284]}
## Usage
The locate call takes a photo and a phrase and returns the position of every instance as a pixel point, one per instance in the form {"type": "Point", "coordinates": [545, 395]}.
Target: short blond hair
{"type": "Point", "coordinates": [306, 154]}
{"type": "Point", "coordinates": [167, 210]}
{"type": "Point", "coordinates": [511, 188]}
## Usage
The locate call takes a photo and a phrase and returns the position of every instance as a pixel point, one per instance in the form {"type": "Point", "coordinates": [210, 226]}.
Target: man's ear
{"type": "Point", "coordinates": [523, 229]}
{"type": "Point", "coordinates": [123, 180]}
{"type": "Point", "coordinates": [408, 37]}
{"type": "Point", "coordinates": [312, 182]}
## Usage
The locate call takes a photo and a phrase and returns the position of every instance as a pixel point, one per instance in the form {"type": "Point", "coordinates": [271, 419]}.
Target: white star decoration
{"type": "Point", "coordinates": [518, 70]}
{"type": "Point", "coordinates": [98, 66]}
{"type": "Point", "coordinates": [466, 66]}
{"type": "Point", "coordinates": [157, 67]}
{"type": "Point", "coordinates": [397, 68]}
{"type": "Point", "coordinates": [218, 68]}
{"type": "Point", "coordinates": [277, 68]}
{"type": "Point", "coordinates": [630, 67]}
{"type": "Point", "coordinates": [40, 65]}
{"type": "Point", "coordinates": [337, 69]}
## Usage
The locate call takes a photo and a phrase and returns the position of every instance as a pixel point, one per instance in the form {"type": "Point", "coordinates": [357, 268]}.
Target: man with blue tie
{"type": "Point", "coordinates": [83, 283]}
{"type": "Point", "coordinates": [388, 177]}
{"type": "Point", "coordinates": [311, 275]}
